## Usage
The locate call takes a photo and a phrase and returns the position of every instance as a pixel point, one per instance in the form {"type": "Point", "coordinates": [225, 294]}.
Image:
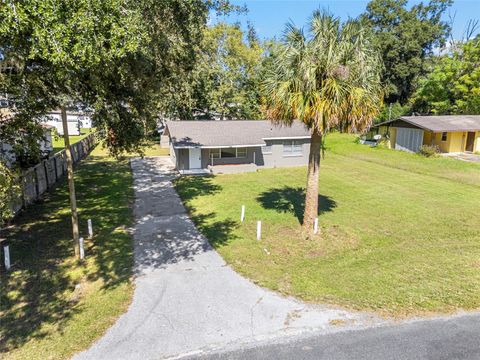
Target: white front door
{"type": "Point", "coordinates": [195, 158]}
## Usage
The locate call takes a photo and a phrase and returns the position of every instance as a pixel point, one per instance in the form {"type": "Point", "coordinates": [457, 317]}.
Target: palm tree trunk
{"type": "Point", "coordinates": [311, 197]}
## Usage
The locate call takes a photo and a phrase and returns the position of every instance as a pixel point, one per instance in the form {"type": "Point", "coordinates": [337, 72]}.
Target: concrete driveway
{"type": "Point", "coordinates": [186, 299]}
{"type": "Point", "coordinates": [469, 157]}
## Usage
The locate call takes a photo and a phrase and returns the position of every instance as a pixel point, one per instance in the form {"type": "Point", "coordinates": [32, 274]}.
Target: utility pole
{"type": "Point", "coordinates": [71, 184]}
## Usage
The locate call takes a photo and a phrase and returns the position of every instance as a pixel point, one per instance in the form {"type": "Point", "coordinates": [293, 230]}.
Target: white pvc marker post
{"type": "Point", "coordinates": [242, 216]}
{"type": "Point", "coordinates": [82, 250]}
{"type": "Point", "coordinates": [315, 226]}
{"type": "Point", "coordinates": [259, 230]}
{"type": "Point", "coordinates": [90, 228]}
{"type": "Point", "coordinates": [6, 251]}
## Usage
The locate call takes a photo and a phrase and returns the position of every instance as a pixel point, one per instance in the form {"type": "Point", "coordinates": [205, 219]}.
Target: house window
{"type": "Point", "coordinates": [215, 153]}
{"type": "Point", "coordinates": [444, 136]}
{"type": "Point", "coordinates": [267, 149]}
{"type": "Point", "coordinates": [228, 153]}
{"type": "Point", "coordinates": [292, 148]}
{"type": "Point", "coordinates": [241, 152]}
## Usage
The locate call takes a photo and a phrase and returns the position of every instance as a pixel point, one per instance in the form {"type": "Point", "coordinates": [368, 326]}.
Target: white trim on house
{"type": "Point", "coordinates": [288, 138]}
{"type": "Point", "coordinates": [218, 146]}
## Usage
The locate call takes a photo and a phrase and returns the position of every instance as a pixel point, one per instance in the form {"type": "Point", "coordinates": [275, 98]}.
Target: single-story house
{"type": "Point", "coordinates": [450, 133]}
{"type": "Point", "coordinates": [205, 146]}
{"type": "Point", "coordinates": [45, 144]}
{"type": "Point", "coordinates": [75, 121]}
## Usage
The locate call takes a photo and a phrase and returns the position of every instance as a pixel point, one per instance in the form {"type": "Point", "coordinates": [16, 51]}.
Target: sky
{"type": "Point", "coordinates": [269, 17]}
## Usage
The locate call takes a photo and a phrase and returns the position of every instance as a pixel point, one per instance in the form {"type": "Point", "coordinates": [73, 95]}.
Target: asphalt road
{"type": "Point", "coordinates": [454, 338]}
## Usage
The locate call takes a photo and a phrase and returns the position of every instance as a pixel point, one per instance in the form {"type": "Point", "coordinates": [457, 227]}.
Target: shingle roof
{"type": "Point", "coordinates": [208, 133]}
{"type": "Point", "coordinates": [443, 123]}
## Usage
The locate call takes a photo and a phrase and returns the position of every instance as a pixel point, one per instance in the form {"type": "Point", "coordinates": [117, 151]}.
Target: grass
{"type": "Point", "coordinates": [399, 232]}
{"type": "Point", "coordinates": [59, 143]}
{"type": "Point", "coordinates": [153, 149]}
{"type": "Point", "coordinates": [50, 305]}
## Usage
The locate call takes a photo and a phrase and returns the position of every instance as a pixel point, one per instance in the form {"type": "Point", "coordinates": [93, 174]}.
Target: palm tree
{"type": "Point", "coordinates": [328, 79]}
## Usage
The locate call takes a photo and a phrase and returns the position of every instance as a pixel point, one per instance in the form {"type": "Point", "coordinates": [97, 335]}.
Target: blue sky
{"type": "Point", "coordinates": [269, 16]}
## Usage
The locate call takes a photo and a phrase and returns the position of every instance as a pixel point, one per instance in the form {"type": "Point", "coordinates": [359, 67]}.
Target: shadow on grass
{"type": "Point", "coordinates": [191, 187]}
{"type": "Point", "coordinates": [292, 200]}
{"type": "Point", "coordinates": [217, 232]}
{"type": "Point", "coordinates": [39, 296]}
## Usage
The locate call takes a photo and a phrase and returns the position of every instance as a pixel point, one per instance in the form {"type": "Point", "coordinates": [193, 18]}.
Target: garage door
{"type": "Point", "coordinates": [409, 139]}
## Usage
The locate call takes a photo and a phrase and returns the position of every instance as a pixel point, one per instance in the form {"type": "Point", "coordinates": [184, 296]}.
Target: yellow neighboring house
{"type": "Point", "coordinates": [451, 133]}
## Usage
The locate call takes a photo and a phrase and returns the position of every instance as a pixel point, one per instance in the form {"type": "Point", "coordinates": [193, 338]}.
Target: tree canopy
{"type": "Point", "coordinates": [227, 74]}
{"type": "Point", "coordinates": [453, 85]}
{"type": "Point", "coordinates": [125, 59]}
{"type": "Point", "coordinates": [406, 37]}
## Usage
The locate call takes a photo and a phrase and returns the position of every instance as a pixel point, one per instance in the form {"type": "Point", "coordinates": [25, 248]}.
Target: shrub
{"type": "Point", "coordinates": [429, 150]}
{"type": "Point", "coordinates": [9, 190]}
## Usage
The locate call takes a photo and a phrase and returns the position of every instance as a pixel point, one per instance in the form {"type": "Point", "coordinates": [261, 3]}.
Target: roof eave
{"type": "Point", "coordinates": [215, 146]}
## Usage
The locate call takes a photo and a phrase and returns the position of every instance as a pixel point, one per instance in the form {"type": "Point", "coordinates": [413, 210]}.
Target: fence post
{"type": "Point", "coordinates": [46, 173]}
{"type": "Point", "coordinates": [35, 178]}
{"type": "Point", "coordinates": [242, 215]}
{"type": "Point", "coordinates": [55, 166]}
{"type": "Point", "coordinates": [315, 226]}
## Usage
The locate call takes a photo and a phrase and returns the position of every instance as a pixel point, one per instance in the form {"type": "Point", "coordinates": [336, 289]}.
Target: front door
{"type": "Point", "coordinates": [195, 158]}
{"type": "Point", "coordinates": [470, 141]}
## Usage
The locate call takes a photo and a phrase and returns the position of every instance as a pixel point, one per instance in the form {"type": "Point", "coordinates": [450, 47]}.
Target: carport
{"type": "Point", "coordinates": [448, 133]}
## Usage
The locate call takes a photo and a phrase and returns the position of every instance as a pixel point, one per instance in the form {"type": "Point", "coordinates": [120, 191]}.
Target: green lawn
{"type": "Point", "coordinates": [153, 149]}
{"type": "Point", "coordinates": [59, 143]}
{"type": "Point", "coordinates": [399, 232]}
{"type": "Point", "coordinates": [44, 315]}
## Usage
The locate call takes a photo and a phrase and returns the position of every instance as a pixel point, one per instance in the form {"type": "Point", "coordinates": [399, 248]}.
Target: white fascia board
{"type": "Point", "coordinates": [287, 138]}
{"type": "Point", "coordinates": [218, 146]}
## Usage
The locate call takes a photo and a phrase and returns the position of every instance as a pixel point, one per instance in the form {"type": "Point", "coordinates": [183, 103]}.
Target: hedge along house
{"type": "Point", "coordinates": [450, 133]}
{"type": "Point", "coordinates": [236, 145]}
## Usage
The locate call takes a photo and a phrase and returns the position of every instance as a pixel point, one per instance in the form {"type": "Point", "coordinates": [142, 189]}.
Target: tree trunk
{"type": "Point", "coordinates": [71, 184]}
{"type": "Point", "coordinates": [311, 197]}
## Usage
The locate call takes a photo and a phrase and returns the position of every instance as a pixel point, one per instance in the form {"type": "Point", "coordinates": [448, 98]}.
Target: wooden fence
{"type": "Point", "coordinates": [38, 179]}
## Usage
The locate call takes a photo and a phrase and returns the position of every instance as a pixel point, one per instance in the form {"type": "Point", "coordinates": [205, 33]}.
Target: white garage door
{"type": "Point", "coordinates": [409, 139]}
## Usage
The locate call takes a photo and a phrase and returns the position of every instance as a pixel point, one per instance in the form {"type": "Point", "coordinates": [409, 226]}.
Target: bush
{"type": "Point", "coordinates": [9, 190]}
{"type": "Point", "coordinates": [429, 150]}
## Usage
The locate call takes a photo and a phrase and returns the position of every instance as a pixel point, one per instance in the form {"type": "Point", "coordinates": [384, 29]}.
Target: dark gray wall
{"type": "Point", "coordinates": [182, 159]}
{"type": "Point", "coordinates": [275, 159]}
{"type": "Point", "coordinates": [206, 158]}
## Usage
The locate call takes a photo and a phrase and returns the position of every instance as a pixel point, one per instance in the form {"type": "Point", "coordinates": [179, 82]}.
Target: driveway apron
{"type": "Point", "coordinates": [187, 299]}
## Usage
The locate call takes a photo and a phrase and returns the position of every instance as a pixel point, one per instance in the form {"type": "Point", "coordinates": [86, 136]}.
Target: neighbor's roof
{"type": "Point", "coordinates": [47, 126]}
{"type": "Point", "coordinates": [442, 123]}
{"type": "Point", "coordinates": [210, 133]}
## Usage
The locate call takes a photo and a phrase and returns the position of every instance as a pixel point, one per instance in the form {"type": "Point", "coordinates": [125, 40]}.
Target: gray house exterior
{"type": "Point", "coordinates": [236, 145]}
